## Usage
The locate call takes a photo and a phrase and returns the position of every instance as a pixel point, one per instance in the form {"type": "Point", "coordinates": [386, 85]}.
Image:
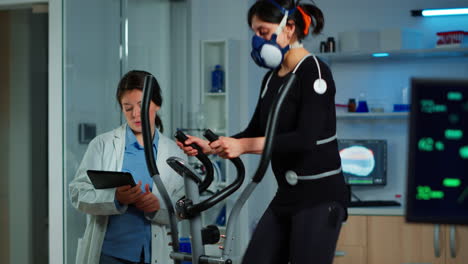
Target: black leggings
{"type": "Point", "coordinates": [305, 236]}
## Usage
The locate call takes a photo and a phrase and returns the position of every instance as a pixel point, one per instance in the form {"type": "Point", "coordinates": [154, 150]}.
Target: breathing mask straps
{"type": "Point", "coordinates": [282, 24]}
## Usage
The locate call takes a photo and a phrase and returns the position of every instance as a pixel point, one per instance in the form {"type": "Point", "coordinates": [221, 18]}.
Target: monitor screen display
{"type": "Point", "coordinates": [437, 189]}
{"type": "Point", "coordinates": [364, 161]}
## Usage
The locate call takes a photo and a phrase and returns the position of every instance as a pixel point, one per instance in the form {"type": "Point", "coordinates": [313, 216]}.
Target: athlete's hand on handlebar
{"type": "Point", "coordinates": [227, 147]}
{"type": "Point", "coordinates": [203, 144]}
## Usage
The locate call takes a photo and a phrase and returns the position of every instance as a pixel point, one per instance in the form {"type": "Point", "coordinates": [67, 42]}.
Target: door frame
{"type": "Point", "coordinates": [55, 123]}
{"type": "Point", "coordinates": [56, 154]}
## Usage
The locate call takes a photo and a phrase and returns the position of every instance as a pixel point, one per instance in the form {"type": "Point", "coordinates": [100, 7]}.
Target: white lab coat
{"type": "Point", "coordinates": [106, 152]}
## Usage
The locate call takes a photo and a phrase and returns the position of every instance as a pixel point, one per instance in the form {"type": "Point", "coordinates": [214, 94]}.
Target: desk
{"type": "Point", "coordinates": [385, 210]}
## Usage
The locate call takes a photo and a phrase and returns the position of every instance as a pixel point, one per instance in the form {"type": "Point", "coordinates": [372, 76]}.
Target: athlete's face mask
{"type": "Point", "coordinates": [267, 53]}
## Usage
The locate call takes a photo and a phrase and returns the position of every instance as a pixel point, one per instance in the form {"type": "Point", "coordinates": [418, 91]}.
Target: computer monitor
{"type": "Point", "coordinates": [364, 161]}
{"type": "Point", "coordinates": [437, 185]}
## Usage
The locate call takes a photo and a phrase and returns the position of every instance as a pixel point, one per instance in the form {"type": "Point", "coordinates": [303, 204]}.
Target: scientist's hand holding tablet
{"type": "Point", "coordinates": [127, 192]}
{"type": "Point", "coordinates": [145, 201]}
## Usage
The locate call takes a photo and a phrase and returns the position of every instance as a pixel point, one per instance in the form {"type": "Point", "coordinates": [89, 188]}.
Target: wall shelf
{"type": "Point", "coordinates": [397, 115]}
{"type": "Point", "coordinates": [396, 55]}
{"type": "Point", "coordinates": [221, 113]}
{"type": "Point", "coordinates": [215, 94]}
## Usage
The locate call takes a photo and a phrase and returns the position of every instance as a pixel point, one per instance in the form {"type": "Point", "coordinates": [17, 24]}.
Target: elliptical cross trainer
{"type": "Point", "coordinates": [190, 207]}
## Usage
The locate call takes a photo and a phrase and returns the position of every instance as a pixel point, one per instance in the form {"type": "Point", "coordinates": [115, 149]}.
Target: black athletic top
{"type": "Point", "coordinates": [306, 117]}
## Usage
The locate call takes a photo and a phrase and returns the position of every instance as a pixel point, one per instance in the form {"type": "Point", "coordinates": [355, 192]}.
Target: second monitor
{"type": "Point", "coordinates": [364, 161]}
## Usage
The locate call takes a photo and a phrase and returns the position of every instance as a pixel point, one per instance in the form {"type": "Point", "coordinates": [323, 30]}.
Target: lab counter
{"type": "Point", "coordinates": [387, 210]}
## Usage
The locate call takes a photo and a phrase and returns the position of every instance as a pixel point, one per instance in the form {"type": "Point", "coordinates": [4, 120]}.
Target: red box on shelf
{"type": "Point", "coordinates": [452, 39]}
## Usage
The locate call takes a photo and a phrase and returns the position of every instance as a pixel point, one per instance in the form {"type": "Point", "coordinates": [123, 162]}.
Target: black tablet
{"type": "Point", "coordinates": [110, 179]}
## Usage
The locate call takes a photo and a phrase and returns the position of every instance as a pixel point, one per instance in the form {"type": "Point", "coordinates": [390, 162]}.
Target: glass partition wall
{"type": "Point", "coordinates": [102, 41]}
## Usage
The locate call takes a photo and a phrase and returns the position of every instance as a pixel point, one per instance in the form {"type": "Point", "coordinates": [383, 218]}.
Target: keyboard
{"type": "Point", "coordinates": [373, 203]}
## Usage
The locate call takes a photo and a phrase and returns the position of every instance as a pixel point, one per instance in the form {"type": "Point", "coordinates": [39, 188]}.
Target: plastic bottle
{"type": "Point", "coordinates": [403, 106]}
{"type": "Point", "coordinates": [221, 219]}
{"type": "Point", "coordinates": [185, 246]}
{"type": "Point", "coordinates": [217, 80]}
{"type": "Point", "coordinates": [323, 47]}
{"type": "Point", "coordinates": [404, 96]}
{"type": "Point", "coordinates": [352, 105]}
{"type": "Point", "coordinates": [331, 44]}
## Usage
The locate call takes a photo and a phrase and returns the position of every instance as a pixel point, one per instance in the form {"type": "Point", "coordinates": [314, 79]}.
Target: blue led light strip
{"type": "Point", "coordinates": [380, 55]}
{"type": "Point", "coordinates": [445, 12]}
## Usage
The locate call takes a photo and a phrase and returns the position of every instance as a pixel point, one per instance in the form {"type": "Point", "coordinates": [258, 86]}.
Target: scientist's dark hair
{"type": "Point", "coordinates": [135, 80]}
{"type": "Point", "coordinates": [267, 11]}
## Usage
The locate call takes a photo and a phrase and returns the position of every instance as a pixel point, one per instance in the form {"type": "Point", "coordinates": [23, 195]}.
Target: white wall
{"type": "Point", "coordinates": [386, 79]}
{"type": "Point", "coordinates": [149, 29]}
{"type": "Point", "coordinates": [179, 48]}
{"type": "Point", "coordinates": [381, 81]}
{"type": "Point", "coordinates": [376, 15]}
{"type": "Point", "coordinates": [214, 20]}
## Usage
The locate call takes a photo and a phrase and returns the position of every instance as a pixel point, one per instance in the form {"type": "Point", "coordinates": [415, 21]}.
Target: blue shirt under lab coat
{"type": "Point", "coordinates": [130, 233]}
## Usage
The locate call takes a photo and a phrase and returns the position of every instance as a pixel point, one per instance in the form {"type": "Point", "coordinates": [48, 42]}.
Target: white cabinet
{"type": "Point", "coordinates": [220, 111]}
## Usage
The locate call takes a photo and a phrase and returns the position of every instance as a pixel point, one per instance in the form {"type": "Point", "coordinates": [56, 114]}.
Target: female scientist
{"type": "Point", "coordinates": [127, 224]}
{"type": "Point", "coordinates": [302, 223]}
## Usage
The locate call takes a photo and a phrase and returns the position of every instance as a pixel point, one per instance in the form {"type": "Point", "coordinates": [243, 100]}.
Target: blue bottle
{"type": "Point", "coordinates": [185, 246]}
{"type": "Point", "coordinates": [221, 219]}
{"type": "Point", "coordinates": [217, 80]}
